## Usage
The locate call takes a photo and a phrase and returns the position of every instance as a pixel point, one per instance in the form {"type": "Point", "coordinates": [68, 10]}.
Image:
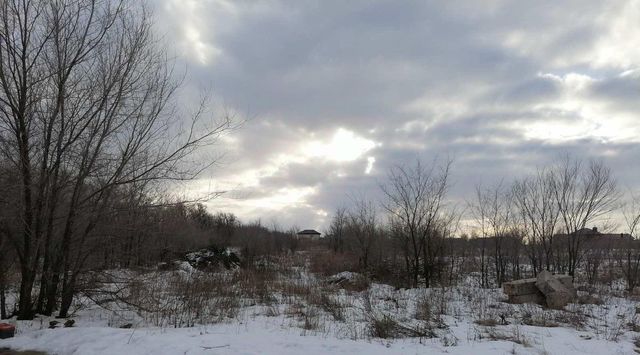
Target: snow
{"type": "Point", "coordinates": [281, 327]}
{"type": "Point", "coordinates": [346, 275]}
{"type": "Point", "coordinates": [272, 339]}
{"type": "Point", "coordinates": [186, 267]}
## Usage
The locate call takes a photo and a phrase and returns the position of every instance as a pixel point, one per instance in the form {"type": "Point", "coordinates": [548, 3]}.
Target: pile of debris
{"type": "Point", "coordinates": [212, 258]}
{"type": "Point", "coordinates": [553, 291]}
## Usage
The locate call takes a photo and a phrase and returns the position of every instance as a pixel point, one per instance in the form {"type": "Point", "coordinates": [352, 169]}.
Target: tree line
{"type": "Point", "coordinates": [541, 221]}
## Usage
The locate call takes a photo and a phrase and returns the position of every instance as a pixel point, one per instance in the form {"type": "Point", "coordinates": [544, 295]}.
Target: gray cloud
{"type": "Point", "coordinates": [493, 84]}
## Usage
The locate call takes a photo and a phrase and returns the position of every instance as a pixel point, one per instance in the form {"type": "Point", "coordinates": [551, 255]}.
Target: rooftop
{"type": "Point", "coordinates": [309, 232]}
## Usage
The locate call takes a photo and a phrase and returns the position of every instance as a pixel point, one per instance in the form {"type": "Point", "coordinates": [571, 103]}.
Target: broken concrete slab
{"type": "Point", "coordinates": [557, 295]}
{"type": "Point", "coordinates": [526, 290]}
{"type": "Point", "coordinates": [567, 281]}
{"type": "Point", "coordinates": [520, 287]}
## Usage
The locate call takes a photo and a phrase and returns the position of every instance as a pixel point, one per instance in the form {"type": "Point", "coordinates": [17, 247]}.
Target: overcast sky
{"type": "Point", "coordinates": [336, 92]}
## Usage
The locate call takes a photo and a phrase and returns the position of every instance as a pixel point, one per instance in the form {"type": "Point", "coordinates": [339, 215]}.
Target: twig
{"type": "Point", "coordinates": [131, 336]}
{"type": "Point", "coordinates": [216, 347]}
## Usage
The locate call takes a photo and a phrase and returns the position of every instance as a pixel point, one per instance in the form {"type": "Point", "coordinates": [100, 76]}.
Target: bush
{"type": "Point", "coordinates": [383, 327]}
{"type": "Point", "coordinates": [487, 322]}
{"type": "Point", "coordinates": [327, 303]}
{"type": "Point", "coordinates": [326, 262]}
{"type": "Point", "coordinates": [424, 310]}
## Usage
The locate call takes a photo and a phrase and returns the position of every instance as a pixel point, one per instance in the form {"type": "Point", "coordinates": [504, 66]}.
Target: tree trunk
{"type": "Point", "coordinates": [68, 291]}
{"type": "Point", "coordinates": [3, 296]}
{"type": "Point", "coordinates": [52, 292]}
{"type": "Point", "coordinates": [27, 279]}
{"type": "Point", "coordinates": [426, 271]}
{"type": "Point", "coordinates": [45, 278]}
{"type": "Point", "coordinates": [66, 300]}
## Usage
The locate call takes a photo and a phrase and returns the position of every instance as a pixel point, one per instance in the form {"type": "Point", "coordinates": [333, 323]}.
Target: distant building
{"type": "Point", "coordinates": [309, 233]}
{"type": "Point", "coordinates": [593, 239]}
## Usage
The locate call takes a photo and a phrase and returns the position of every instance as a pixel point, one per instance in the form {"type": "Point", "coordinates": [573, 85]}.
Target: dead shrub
{"type": "Point", "coordinates": [326, 262]}
{"type": "Point", "coordinates": [272, 311]}
{"type": "Point", "coordinates": [633, 326]}
{"type": "Point", "coordinates": [294, 310]}
{"type": "Point", "coordinates": [576, 318]}
{"type": "Point", "coordinates": [183, 300]}
{"type": "Point", "coordinates": [424, 309]}
{"type": "Point", "coordinates": [385, 327]}
{"type": "Point", "coordinates": [311, 319]}
{"type": "Point", "coordinates": [293, 288]}
{"type": "Point", "coordinates": [617, 329]}
{"type": "Point", "coordinates": [358, 284]}
{"type": "Point", "coordinates": [539, 319]}
{"type": "Point", "coordinates": [226, 307]}
{"type": "Point", "coordinates": [256, 283]}
{"type": "Point", "coordinates": [589, 299]}
{"type": "Point", "coordinates": [327, 303]}
{"type": "Point", "coordinates": [487, 322]}
{"type": "Point", "coordinates": [514, 336]}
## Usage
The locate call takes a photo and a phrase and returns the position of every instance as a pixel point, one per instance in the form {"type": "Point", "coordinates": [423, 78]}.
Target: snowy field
{"type": "Point", "coordinates": [302, 314]}
{"type": "Point", "coordinates": [270, 337]}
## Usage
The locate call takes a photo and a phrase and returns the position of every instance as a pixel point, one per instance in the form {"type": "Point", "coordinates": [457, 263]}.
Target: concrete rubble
{"type": "Point", "coordinates": [553, 291]}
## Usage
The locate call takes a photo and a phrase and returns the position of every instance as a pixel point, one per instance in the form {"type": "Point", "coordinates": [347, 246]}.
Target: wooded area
{"type": "Point", "coordinates": [88, 133]}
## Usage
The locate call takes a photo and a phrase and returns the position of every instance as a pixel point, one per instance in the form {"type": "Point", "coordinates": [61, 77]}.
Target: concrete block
{"type": "Point", "coordinates": [520, 287]}
{"type": "Point", "coordinates": [556, 294]}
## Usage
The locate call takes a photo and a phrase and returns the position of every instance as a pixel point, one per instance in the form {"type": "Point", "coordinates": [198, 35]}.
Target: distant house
{"type": "Point", "coordinates": [594, 239]}
{"type": "Point", "coordinates": [309, 234]}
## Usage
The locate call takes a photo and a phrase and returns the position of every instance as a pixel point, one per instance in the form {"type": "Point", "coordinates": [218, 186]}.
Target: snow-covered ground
{"type": "Point", "coordinates": [460, 320]}
{"type": "Point", "coordinates": [271, 338]}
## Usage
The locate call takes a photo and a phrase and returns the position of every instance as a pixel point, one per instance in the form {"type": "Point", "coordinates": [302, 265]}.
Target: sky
{"type": "Point", "coordinates": [334, 93]}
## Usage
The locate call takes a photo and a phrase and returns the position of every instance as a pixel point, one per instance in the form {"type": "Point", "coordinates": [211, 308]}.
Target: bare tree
{"type": "Point", "coordinates": [493, 213]}
{"type": "Point", "coordinates": [594, 258]}
{"type": "Point", "coordinates": [583, 194]}
{"type": "Point", "coordinates": [362, 230]}
{"type": "Point", "coordinates": [3, 277]}
{"type": "Point", "coordinates": [336, 232]}
{"type": "Point", "coordinates": [629, 256]}
{"type": "Point", "coordinates": [539, 214]}
{"type": "Point", "coordinates": [85, 112]}
{"type": "Point", "coordinates": [479, 211]}
{"type": "Point", "coordinates": [514, 249]}
{"type": "Point", "coordinates": [415, 200]}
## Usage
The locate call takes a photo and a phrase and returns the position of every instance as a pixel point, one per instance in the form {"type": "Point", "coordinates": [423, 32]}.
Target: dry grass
{"type": "Point", "coordinates": [310, 319]}
{"type": "Point", "coordinates": [589, 299]}
{"type": "Point", "coordinates": [327, 303]}
{"type": "Point", "coordinates": [487, 322]}
{"type": "Point", "coordinates": [326, 262]}
{"type": "Point", "coordinates": [539, 319]}
{"type": "Point", "coordinates": [515, 336]}
{"type": "Point", "coordinates": [285, 289]}
{"type": "Point", "coordinates": [385, 327]}
{"type": "Point", "coordinates": [358, 284]}
{"type": "Point", "coordinates": [424, 309]}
